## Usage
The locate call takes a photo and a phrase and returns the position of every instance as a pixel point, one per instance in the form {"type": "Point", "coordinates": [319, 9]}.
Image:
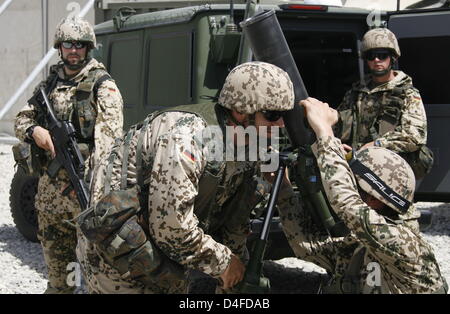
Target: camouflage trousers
{"type": "Point", "coordinates": [103, 283]}
{"type": "Point", "coordinates": [101, 278]}
{"type": "Point", "coordinates": [57, 237]}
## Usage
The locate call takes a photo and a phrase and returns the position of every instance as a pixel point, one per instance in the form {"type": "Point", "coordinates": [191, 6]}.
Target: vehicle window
{"type": "Point", "coordinates": [327, 61]}
{"type": "Point", "coordinates": [123, 66]}
{"type": "Point", "coordinates": [427, 61]}
{"type": "Point", "coordinates": [391, 5]}
{"type": "Point", "coordinates": [169, 66]}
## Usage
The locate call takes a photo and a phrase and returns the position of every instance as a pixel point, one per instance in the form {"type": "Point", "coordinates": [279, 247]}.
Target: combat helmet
{"type": "Point", "coordinates": [257, 86]}
{"type": "Point", "coordinates": [74, 29]}
{"type": "Point", "coordinates": [380, 38]}
{"type": "Point", "coordinates": [386, 176]}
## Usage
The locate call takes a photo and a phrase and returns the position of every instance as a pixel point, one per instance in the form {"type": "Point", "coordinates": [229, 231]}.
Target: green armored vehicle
{"type": "Point", "coordinates": [163, 54]}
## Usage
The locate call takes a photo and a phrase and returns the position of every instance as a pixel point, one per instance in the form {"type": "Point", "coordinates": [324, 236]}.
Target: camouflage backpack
{"type": "Point", "coordinates": [116, 224]}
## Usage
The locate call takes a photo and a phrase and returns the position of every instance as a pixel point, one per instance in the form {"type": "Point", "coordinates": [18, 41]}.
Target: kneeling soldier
{"type": "Point", "coordinates": [370, 194]}
{"type": "Point", "coordinates": [160, 200]}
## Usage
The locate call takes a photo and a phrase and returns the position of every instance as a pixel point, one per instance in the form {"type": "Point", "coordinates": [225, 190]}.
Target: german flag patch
{"type": "Point", "coordinates": [189, 156]}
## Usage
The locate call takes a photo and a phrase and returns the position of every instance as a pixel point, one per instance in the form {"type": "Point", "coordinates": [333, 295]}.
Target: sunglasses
{"type": "Point", "coordinates": [381, 55]}
{"type": "Point", "coordinates": [272, 116]}
{"type": "Point", "coordinates": [76, 44]}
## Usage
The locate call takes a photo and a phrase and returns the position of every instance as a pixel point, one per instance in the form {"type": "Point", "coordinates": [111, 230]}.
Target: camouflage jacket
{"type": "Point", "coordinates": [362, 109]}
{"type": "Point", "coordinates": [108, 109]}
{"type": "Point", "coordinates": [406, 260]}
{"type": "Point", "coordinates": [178, 162]}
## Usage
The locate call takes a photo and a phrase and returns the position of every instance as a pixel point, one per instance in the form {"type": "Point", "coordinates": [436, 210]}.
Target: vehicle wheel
{"type": "Point", "coordinates": [21, 199]}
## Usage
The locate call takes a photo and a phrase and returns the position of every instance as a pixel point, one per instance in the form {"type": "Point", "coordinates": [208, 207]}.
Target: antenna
{"type": "Point", "coordinates": [231, 27]}
{"type": "Point", "coordinates": [231, 12]}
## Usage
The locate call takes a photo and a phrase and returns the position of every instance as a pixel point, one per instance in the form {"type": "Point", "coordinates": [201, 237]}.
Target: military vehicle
{"type": "Point", "coordinates": [164, 53]}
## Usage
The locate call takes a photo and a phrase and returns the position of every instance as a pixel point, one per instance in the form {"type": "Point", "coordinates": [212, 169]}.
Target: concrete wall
{"type": "Point", "coordinates": [21, 48]}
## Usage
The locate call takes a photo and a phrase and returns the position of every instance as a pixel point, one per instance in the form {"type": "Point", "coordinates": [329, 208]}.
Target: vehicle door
{"type": "Point", "coordinates": [424, 38]}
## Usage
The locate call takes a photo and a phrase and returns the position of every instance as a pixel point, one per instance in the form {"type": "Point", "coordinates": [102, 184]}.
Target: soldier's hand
{"type": "Point", "coordinates": [320, 116]}
{"type": "Point", "coordinates": [370, 144]}
{"type": "Point", "coordinates": [43, 139]}
{"type": "Point", "coordinates": [347, 148]}
{"type": "Point", "coordinates": [234, 273]}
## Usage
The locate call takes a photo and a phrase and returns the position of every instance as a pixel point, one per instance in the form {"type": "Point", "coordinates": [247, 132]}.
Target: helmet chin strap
{"type": "Point", "coordinates": [78, 66]}
{"type": "Point", "coordinates": [383, 72]}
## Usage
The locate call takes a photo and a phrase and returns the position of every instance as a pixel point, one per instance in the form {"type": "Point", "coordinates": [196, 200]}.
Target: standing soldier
{"type": "Point", "coordinates": [80, 91]}
{"type": "Point", "coordinates": [162, 199]}
{"type": "Point", "coordinates": [384, 109]}
{"type": "Point", "coordinates": [382, 253]}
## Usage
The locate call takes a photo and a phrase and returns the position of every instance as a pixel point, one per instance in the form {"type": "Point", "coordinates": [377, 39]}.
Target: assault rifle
{"type": "Point", "coordinates": [269, 45]}
{"type": "Point", "coordinates": [68, 154]}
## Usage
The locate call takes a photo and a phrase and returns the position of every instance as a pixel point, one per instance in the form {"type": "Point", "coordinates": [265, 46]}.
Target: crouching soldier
{"type": "Point", "coordinates": [162, 203]}
{"type": "Point", "coordinates": [370, 194]}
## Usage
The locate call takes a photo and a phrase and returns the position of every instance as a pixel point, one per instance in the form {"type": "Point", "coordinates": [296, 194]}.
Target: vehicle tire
{"type": "Point", "coordinates": [21, 199]}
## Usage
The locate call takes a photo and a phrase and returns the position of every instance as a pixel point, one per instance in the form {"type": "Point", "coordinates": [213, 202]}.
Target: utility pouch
{"type": "Point", "coordinates": [22, 156]}
{"type": "Point", "coordinates": [421, 161]}
{"type": "Point", "coordinates": [389, 120]}
{"type": "Point", "coordinates": [30, 158]}
{"type": "Point", "coordinates": [99, 222]}
{"type": "Point", "coordinates": [112, 225]}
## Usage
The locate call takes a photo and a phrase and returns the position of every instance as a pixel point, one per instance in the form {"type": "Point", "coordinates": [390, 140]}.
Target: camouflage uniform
{"type": "Point", "coordinates": [174, 163]}
{"type": "Point", "coordinates": [362, 108]}
{"type": "Point", "coordinates": [406, 261]}
{"type": "Point", "coordinates": [173, 223]}
{"type": "Point", "coordinates": [58, 238]}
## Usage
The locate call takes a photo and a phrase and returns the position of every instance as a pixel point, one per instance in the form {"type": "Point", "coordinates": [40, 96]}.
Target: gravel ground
{"type": "Point", "coordinates": [22, 268]}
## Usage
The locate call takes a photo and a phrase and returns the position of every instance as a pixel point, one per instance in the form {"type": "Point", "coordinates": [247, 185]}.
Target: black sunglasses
{"type": "Point", "coordinates": [272, 116]}
{"type": "Point", "coordinates": [381, 55]}
{"type": "Point", "coordinates": [76, 44]}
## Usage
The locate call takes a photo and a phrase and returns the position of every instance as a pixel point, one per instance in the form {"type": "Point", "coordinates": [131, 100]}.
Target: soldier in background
{"type": "Point", "coordinates": [164, 201]}
{"type": "Point", "coordinates": [385, 110]}
{"type": "Point", "coordinates": [81, 91]}
{"type": "Point", "coordinates": [382, 253]}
